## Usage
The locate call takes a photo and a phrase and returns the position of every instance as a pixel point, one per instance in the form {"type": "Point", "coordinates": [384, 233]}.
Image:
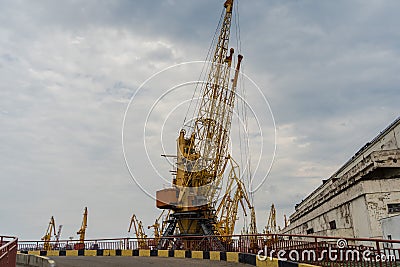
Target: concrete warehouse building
{"type": "Point", "coordinates": [361, 199]}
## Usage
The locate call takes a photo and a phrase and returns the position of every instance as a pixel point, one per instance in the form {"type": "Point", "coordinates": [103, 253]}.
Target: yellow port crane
{"type": "Point", "coordinates": [202, 155]}
{"type": "Point", "coordinates": [49, 232]}
{"type": "Point", "coordinates": [228, 208]}
{"type": "Point", "coordinates": [158, 228]}
{"type": "Point", "coordinates": [82, 231]}
{"type": "Point", "coordinates": [139, 231]}
{"type": "Point", "coordinates": [270, 228]}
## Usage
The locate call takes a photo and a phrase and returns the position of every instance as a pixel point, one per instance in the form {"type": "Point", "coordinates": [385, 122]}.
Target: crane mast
{"type": "Point", "coordinates": [271, 228]}
{"type": "Point", "coordinates": [202, 150]}
{"type": "Point", "coordinates": [203, 154]}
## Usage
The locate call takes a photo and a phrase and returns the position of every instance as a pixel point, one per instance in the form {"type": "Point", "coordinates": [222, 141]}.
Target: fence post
{"type": "Point", "coordinates": [316, 247]}
{"type": "Point", "coordinates": [379, 253]}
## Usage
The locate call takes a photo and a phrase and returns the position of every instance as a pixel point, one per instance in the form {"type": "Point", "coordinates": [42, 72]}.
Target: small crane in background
{"type": "Point", "coordinates": [82, 231]}
{"type": "Point", "coordinates": [58, 236]}
{"type": "Point", "coordinates": [139, 231]}
{"type": "Point", "coordinates": [156, 226]}
{"type": "Point", "coordinates": [270, 228]}
{"type": "Point", "coordinates": [49, 232]}
{"type": "Point", "coordinates": [228, 208]}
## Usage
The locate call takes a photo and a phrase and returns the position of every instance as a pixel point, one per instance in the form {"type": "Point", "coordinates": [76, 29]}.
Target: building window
{"type": "Point", "coordinates": [393, 208]}
{"type": "Point", "coordinates": [332, 225]}
{"type": "Point", "coordinates": [310, 231]}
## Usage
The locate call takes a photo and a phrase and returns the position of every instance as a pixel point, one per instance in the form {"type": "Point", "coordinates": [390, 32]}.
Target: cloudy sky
{"type": "Point", "coordinates": [68, 69]}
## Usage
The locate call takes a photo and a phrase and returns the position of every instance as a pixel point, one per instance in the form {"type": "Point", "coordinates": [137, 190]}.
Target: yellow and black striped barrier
{"type": "Point", "coordinates": [246, 258]}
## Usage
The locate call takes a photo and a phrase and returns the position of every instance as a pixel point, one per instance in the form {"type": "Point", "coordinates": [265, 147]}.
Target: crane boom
{"type": "Point", "coordinates": [228, 207]}
{"type": "Point", "coordinates": [58, 235]}
{"type": "Point", "coordinates": [201, 156]}
{"type": "Point", "coordinates": [211, 129]}
{"type": "Point", "coordinates": [51, 228]}
{"type": "Point", "coordinates": [139, 231]}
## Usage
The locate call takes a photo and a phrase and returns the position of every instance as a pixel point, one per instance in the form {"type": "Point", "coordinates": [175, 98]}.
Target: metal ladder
{"type": "Point", "coordinates": [215, 242]}
{"type": "Point", "coordinates": [169, 231]}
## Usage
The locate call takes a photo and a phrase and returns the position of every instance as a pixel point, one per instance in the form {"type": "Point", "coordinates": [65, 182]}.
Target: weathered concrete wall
{"type": "Point", "coordinates": [387, 141]}
{"type": "Point", "coordinates": [386, 192]}
{"type": "Point", "coordinates": [378, 165]}
{"type": "Point", "coordinates": [335, 209]}
{"type": "Point", "coordinates": [391, 228]}
{"type": "Point", "coordinates": [35, 261]}
{"type": "Point", "coordinates": [357, 212]}
{"type": "Point", "coordinates": [361, 220]}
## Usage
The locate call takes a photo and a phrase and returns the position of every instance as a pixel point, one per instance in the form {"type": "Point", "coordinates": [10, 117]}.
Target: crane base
{"type": "Point", "coordinates": [191, 230]}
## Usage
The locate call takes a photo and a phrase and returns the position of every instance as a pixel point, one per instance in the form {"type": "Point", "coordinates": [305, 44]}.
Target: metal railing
{"type": "Point", "coordinates": [8, 251]}
{"type": "Point", "coordinates": [317, 250]}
